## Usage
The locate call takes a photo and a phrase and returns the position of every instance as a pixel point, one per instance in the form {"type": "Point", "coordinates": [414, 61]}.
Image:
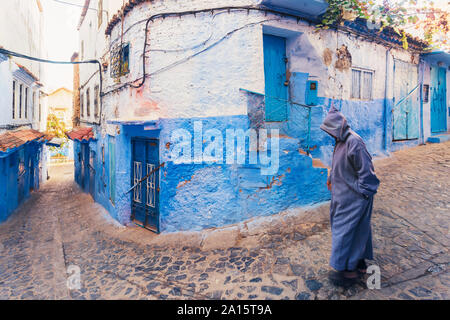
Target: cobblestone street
{"type": "Point", "coordinates": [59, 226]}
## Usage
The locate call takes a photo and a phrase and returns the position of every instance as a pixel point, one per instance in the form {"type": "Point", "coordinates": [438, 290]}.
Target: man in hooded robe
{"type": "Point", "coordinates": [353, 183]}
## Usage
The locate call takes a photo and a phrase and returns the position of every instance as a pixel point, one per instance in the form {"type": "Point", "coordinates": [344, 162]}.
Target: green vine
{"type": "Point", "coordinates": [396, 15]}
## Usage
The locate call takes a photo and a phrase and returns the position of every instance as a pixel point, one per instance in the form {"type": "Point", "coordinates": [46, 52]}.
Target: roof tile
{"type": "Point", "coordinates": [14, 139]}
{"type": "Point", "coordinates": [81, 134]}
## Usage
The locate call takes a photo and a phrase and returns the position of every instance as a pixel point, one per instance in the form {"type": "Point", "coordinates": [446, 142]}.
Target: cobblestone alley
{"type": "Point", "coordinates": [59, 227]}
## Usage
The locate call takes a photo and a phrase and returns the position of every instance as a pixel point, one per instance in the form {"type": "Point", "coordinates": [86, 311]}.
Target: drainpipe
{"type": "Point", "coordinates": [385, 118]}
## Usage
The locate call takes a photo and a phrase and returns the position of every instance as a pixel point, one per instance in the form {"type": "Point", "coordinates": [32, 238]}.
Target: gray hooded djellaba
{"type": "Point", "coordinates": [353, 185]}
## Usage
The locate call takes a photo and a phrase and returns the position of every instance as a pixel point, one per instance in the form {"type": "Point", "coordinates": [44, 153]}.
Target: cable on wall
{"type": "Point", "coordinates": [19, 55]}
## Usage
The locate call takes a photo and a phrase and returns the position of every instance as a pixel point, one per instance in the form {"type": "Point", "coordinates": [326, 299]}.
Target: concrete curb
{"type": "Point", "coordinates": [225, 237]}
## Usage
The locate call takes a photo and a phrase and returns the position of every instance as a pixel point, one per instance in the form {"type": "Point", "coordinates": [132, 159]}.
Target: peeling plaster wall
{"type": "Point", "coordinates": [195, 67]}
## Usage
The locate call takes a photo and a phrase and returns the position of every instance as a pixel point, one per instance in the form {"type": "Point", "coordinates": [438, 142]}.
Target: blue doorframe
{"type": "Point", "coordinates": [438, 100]}
{"type": "Point", "coordinates": [276, 87]}
{"type": "Point", "coordinates": [145, 196]}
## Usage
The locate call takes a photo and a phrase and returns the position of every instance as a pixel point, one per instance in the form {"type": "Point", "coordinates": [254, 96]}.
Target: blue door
{"type": "Point", "coordinates": [276, 86]}
{"type": "Point", "coordinates": [92, 174]}
{"type": "Point", "coordinates": [21, 176]}
{"type": "Point", "coordinates": [406, 101]}
{"type": "Point", "coordinates": [438, 100]}
{"type": "Point", "coordinates": [85, 167]}
{"type": "Point", "coordinates": [145, 178]}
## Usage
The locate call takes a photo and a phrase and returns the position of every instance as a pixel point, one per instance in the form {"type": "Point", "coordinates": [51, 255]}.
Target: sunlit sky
{"type": "Point", "coordinates": [61, 39]}
{"type": "Point", "coordinates": [61, 36]}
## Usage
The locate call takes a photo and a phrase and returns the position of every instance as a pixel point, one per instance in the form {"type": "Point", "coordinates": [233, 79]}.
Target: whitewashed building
{"type": "Point", "coordinates": [23, 153]}
{"type": "Point", "coordinates": [206, 67]}
{"type": "Point", "coordinates": [22, 25]}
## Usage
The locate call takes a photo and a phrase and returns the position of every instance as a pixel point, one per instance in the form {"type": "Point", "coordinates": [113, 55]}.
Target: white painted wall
{"type": "Point", "coordinates": [21, 30]}
{"type": "Point", "coordinates": [93, 45]}
{"type": "Point", "coordinates": [7, 68]}
{"type": "Point", "coordinates": [182, 85]}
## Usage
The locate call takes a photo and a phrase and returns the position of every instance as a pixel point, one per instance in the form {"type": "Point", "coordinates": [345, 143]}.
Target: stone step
{"type": "Point", "coordinates": [439, 138]}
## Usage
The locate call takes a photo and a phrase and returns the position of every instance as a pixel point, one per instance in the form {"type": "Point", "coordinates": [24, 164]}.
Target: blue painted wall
{"type": "Point", "coordinates": [198, 196]}
{"type": "Point", "coordinates": [9, 174]}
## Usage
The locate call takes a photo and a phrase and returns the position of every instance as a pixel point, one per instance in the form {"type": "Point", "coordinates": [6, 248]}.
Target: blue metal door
{"type": "Point", "coordinates": [85, 167]}
{"type": "Point", "coordinates": [21, 174]}
{"type": "Point", "coordinates": [276, 85]}
{"type": "Point", "coordinates": [438, 100]}
{"type": "Point", "coordinates": [406, 101]}
{"type": "Point", "coordinates": [145, 178]}
{"type": "Point", "coordinates": [92, 173]}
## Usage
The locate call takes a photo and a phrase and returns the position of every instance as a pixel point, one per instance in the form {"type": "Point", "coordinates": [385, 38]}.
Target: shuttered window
{"type": "Point", "coordinates": [367, 85]}
{"type": "Point", "coordinates": [96, 98]}
{"type": "Point", "coordinates": [356, 84]}
{"type": "Point", "coordinates": [362, 84]}
{"type": "Point", "coordinates": [26, 103]}
{"type": "Point", "coordinates": [88, 103]}
{"type": "Point", "coordinates": [82, 105]}
{"type": "Point", "coordinates": [14, 101]}
{"type": "Point", "coordinates": [20, 100]}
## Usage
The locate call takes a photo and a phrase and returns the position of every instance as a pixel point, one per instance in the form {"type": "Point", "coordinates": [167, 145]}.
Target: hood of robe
{"type": "Point", "coordinates": [336, 125]}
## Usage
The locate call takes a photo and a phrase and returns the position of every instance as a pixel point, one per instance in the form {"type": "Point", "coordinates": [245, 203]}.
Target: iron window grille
{"type": "Point", "coordinates": [120, 60]}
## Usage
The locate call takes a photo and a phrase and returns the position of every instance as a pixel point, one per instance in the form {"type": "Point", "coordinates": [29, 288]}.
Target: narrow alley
{"type": "Point", "coordinates": [60, 227]}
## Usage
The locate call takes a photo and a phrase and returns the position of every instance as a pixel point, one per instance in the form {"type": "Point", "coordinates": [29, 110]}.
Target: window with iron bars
{"type": "Point", "coordinates": [120, 60]}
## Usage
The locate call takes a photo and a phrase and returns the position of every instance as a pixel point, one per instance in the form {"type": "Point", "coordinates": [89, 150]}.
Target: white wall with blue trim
{"type": "Point", "coordinates": [196, 66]}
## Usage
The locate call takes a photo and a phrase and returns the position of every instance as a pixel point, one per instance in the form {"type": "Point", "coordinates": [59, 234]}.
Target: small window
{"type": "Point", "coordinates": [362, 84]}
{"type": "Point", "coordinates": [100, 13]}
{"type": "Point", "coordinates": [88, 103]}
{"type": "Point", "coordinates": [367, 86]}
{"type": "Point", "coordinates": [356, 83]}
{"type": "Point", "coordinates": [14, 100]}
{"type": "Point", "coordinates": [120, 61]}
{"type": "Point", "coordinates": [96, 98]}
{"type": "Point", "coordinates": [20, 100]}
{"type": "Point", "coordinates": [82, 105]}
{"type": "Point", "coordinates": [426, 93]}
{"type": "Point", "coordinates": [26, 103]}
{"type": "Point", "coordinates": [33, 101]}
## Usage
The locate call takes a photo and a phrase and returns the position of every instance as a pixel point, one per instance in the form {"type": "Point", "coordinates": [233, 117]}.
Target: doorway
{"type": "Point", "coordinates": [145, 180]}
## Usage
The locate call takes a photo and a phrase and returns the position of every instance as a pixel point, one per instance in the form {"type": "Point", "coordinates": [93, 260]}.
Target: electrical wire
{"type": "Point", "coordinates": [179, 14]}
{"type": "Point", "coordinates": [129, 84]}
{"type": "Point", "coordinates": [23, 56]}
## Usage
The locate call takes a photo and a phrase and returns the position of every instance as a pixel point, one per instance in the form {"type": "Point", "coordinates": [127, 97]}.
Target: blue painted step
{"type": "Point", "coordinates": [439, 138]}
